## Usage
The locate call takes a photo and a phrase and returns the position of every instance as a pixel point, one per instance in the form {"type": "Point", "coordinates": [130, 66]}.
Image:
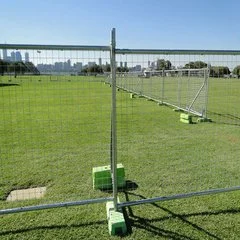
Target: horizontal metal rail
{"type": "Point", "coordinates": [175, 70]}
{"type": "Point", "coordinates": [54, 205]}
{"type": "Point", "coordinates": [119, 51]}
{"type": "Point", "coordinates": [178, 196]}
{"type": "Point", "coordinates": [177, 51]}
{"type": "Point", "coordinates": [54, 47]}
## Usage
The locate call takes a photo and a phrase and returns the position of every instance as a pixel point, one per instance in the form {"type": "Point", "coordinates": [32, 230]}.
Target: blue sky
{"type": "Point", "coordinates": [205, 24]}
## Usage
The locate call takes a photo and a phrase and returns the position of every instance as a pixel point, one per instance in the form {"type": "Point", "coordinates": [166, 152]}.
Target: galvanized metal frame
{"type": "Point", "coordinates": [60, 48]}
{"type": "Point", "coordinates": [114, 121]}
{"type": "Point", "coordinates": [177, 51]}
{"type": "Point", "coordinates": [205, 84]}
{"type": "Point", "coordinates": [54, 47]}
{"type": "Point", "coordinates": [206, 75]}
{"type": "Point", "coordinates": [178, 196]}
{"type": "Point", "coordinates": [54, 205]}
{"type": "Point", "coordinates": [161, 100]}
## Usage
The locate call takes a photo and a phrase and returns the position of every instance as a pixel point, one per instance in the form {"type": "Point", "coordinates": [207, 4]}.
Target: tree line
{"type": "Point", "coordinates": [17, 68]}
{"type": "Point", "coordinates": [161, 64]}
{"type": "Point", "coordinates": [101, 69]}
{"type": "Point", "coordinates": [215, 71]}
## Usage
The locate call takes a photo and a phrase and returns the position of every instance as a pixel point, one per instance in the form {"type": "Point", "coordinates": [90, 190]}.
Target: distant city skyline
{"type": "Point", "coordinates": [67, 66]}
{"type": "Point", "coordinates": [15, 56]}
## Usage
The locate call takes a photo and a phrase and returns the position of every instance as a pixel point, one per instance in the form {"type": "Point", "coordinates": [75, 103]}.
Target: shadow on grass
{"type": "Point", "coordinates": [138, 222]}
{"type": "Point", "coordinates": [8, 84]}
{"type": "Point", "coordinates": [225, 118]}
{"type": "Point", "coordinates": [51, 227]}
{"type": "Point", "coordinates": [130, 186]}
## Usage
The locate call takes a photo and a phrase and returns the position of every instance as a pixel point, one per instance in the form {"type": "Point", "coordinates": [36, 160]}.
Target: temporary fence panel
{"type": "Point", "coordinates": [163, 157]}
{"type": "Point", "coordinates": [184, 89]}
{"type": "Point", "coordinates": [55, 125]}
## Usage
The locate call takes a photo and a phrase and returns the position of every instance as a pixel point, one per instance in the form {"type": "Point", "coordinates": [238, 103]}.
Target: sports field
{"type": "Point", "coordinates": [54, 130]}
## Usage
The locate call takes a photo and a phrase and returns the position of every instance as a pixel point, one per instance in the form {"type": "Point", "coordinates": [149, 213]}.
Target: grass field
{"type": "Point", "coordinates": [53, 131]}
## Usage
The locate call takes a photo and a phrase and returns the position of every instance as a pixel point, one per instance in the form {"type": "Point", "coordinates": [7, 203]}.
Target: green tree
{"type": "Point", "coordinates": [236, 70]}
{"type": "Point", "coordinates": [107, 68]}
{"type": "Point", "coordinates": [95, 69]}
{"type": "Point", "coordinates": [122, 69]}
{"type": "Point", "coordinates": [168, 65]}
{"type": "Point", "coordinates": [3, 67]}
{"type": "Point", "coordinates": [16, 67]}
{"type": "Point", "coordinates": [195, 65]}
{"type": "Point", "coordinates": [219, 71]}
{"type": "Point", "coordinates": [163, 64]}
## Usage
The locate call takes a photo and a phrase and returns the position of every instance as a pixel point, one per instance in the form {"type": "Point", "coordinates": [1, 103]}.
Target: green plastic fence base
{"type": "Point", "coordinates": [116, 221]}
{"type": "Point", "coordinates": [102, 177]}
{"type": "Point", "coordinates": [132, 95]}
{"type": "Point", "coordinates": [185, 121]}
{"type": "Point", "coordinates": [185, 118]}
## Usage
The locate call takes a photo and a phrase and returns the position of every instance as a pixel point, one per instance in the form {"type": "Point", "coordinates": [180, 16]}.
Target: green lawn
{"type": "Point", "coordinates": [53, 131]}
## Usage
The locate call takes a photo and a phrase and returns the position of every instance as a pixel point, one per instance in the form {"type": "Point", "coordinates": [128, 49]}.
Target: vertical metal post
{"type": "Point", "coordinates": [188, 93]}
{"type": "Point", "coordinates": [114, 120]}
{"type": "Point", "coordinates": [179, 90]}
{"type": "Point", "coordinates": [206, 76]}
{"type": "Point", "coordinates": [163, 83]}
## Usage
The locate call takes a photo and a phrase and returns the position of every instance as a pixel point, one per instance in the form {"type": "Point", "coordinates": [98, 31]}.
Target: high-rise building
{"type": "Point", "coordinates": [125, 64]}
{"type": "Point", "coordinates": [26, 57]}
{"type": "Point", "coordinates": [90, 64]}
{"type": "Point", "coordinates": [78, 66]}
{"type": "Point", "coordinates": [18, 56]}
{"type": "Point", "coordinates": [58, 66]}
{"type": "Point", "coordinates": [13, 56]}
{"type": "Point", "coordinates": [69, 64]}
{"type": "Point", "coordinates": [100, 61]}
{"type": "Point", "coordinates": [138, 68]}
{"type": "Point", "coordinates": [4, 54]}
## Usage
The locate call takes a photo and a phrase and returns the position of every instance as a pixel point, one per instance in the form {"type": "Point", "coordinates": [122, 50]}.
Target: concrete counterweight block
{"type": "Point", "coordinates": [185, 118]}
